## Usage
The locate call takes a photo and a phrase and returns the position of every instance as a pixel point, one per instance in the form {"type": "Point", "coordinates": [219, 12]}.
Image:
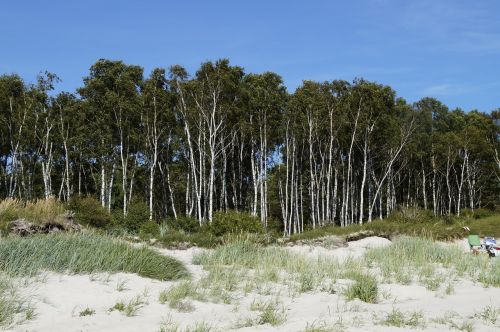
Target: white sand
{"type": "Point", "coordinates": [353, 249]}
{"type": "Point", "coordinates": [60, 298]}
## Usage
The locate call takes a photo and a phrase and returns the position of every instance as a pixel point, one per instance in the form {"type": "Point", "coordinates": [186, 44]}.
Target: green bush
{"type": "Point", "coordinates": [411, 215]}
{"type": "Point", "coordinates": [200, 239]}
{"type": "Point", "coordinates": [489, 226]}
{"type": "Point", "coordinates": [137, 214]}
{"type": "Point", "coordinates": [274, 226]}
{"type": "Point", "coordinates": [149, 229]}
{"type": "Point", "coordinates": [234, 222]}
{"type": "Point", "coordinates": [477, 213]}
{"type": "Point", "coordinates": [482, 213]}
{"type": "Point", "coordinates": [88, 211]}
{"type": "Point", "coordinates": [185, 224]}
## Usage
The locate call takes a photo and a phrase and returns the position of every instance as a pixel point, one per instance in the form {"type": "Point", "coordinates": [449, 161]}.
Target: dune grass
{"type": "Point", "coordinates": [83, 253]}
{"type": "Point", "coordinates": [364, 288]}
{"type": "Point", "coordinates": [401, 319]}
{"type": "Point", "coordinates": [177, 295]}
{"type": "Point", "coordinates": [423, 258]}
{"type": "Point", "coordinates": [13, 307]}
{"type": "Point", "coordinates": [251, 267]}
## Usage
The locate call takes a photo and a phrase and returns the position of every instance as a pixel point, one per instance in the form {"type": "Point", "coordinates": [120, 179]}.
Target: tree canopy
{"type": "Point", "coordinates": [332, 152]}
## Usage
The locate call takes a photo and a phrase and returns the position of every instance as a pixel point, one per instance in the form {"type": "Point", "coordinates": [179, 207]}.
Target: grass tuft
{"type": "Point", "coordinates": [129, 308]}
{"type": "Point", "coordinates": [176, 296]}
{"type": "Point", "coordinates": [87, 312]}
{"type": "Point", "coordinates": [364, 288]}
{"type": "Point", "coordinates": [398, 318]}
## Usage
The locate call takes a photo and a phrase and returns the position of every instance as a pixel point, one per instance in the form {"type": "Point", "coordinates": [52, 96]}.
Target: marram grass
{"type": "Point", "coordinates": [13, 307]}
{"type": "Point", "coordinates": [82, 253]}
{"type": "Point", "coordinates": [421, 257]}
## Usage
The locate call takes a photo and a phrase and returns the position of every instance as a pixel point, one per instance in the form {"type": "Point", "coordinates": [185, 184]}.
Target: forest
{"type": "Point", "coordinates": [221, 139]}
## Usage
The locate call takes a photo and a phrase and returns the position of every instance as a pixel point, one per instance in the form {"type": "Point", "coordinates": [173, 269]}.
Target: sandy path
{"type": "Point", "coordinates": [60, 298]}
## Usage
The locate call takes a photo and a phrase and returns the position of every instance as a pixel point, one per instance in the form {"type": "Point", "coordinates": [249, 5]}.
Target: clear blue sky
{"type": "Point", "coordinates": [449, 49]}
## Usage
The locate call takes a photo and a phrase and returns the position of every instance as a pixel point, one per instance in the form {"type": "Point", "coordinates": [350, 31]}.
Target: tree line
{"type": "Point", "coordinates": [332, 152]}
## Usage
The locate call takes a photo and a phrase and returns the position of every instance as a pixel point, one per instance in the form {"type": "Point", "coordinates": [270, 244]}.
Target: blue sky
{"type": "Point", "coordinates": [448, 49]}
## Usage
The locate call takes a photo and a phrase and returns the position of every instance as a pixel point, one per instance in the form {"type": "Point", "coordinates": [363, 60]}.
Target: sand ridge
{"type": "Point", "coordinates": [59, 300]}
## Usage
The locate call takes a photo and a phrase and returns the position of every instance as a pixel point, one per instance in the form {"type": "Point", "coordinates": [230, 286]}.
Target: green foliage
{"type": "Point", "coordinates": [89, 211]}
{"type": "Point", "coordinates": [489, 226]}
{"type": "Point", "coordinates": [129, 308]}
{"type": "Point", "coordinates": [184, 224]}
{"type": "Point", "coordinates": [200, 239]}
{"type": "Point", "coordinates": [442, 228]}
{"type": "Point", "coordinates": [128, 113]}
{"type": "Point", "coordinates": [177, 295]}
{"type": "Point", "coordinates": [418, 256]}
{"type": "Point", "coordinates": [86, 312]}
{"type": "Point", "coordinates": [271, 313]}
{"type": "Point", "coordinates": [489, 314]}
{"type": "Point", "coordinates": [274, 226]}
{"type": "Point", "coordinates": [228, 266]}
{"type": "Point", "coordinates": [84, 253]}
{"type": "Point", "coordinates": [411, 215]}
{"type": "Point", "coordinates": [477, 213]}
{"type": "Point", "coordinates": [364, 288]}
{"type": "Point", "coordinates": [233, 222]}
{"type": "Point", "coordinates": [137, 214]}
{"type": "Point", "coordinates": [398, 318]}
{"type": "Point", "coordinates": [149, 229]}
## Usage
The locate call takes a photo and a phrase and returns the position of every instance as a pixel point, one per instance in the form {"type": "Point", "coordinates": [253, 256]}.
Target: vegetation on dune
{"type": "Point", "coordinates": [401, 319]}
{"type": "Point", "coordinates": [365, 288]}
{"type": "Point", "coordinates": [89, 212]}
{"type": "Point", "coordinates": [233, 222]}
{"type": "Point", "coordinates": [13, 307]}
{"type": "Point", "coordinates": [413, 258]}
{"type": "Point", "coordinates": [83, 253]}
{"type": "Point", "coordinates": [246, 265]}
{"type": "Point", "coordinates": [38, 212]}
{"type": "Point", "coordinates": [418, 223]}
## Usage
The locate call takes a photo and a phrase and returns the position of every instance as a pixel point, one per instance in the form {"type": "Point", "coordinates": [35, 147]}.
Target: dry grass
{"type": "Point", "coordinates": [37, 212]}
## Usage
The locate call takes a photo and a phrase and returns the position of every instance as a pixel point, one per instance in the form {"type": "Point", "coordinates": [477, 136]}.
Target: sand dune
{"type": "Point", "coordinates": [59, 300]}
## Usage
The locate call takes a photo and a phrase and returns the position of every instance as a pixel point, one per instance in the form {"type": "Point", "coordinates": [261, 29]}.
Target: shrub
{"type": "Point", "coordinates": [149, 229]}
{"type": "Point", "coordinates": [234, 222]}
{"type": "Point", "coordinates": [489, 226]}
{"type": "Point", "coordinates": [200, 239]}
{"type": "Point", "coordinates": [482, 213]}
{"type": "Point", "coordinates": [89, 211]}
{"type": "Point", "coordinates": [411, 215]}
{"type": "Point", "coordinates": [185, 224]}
{"type": "Point", "coordinates": [274, 226]}
{"type": "Point", "coordinates": [137, 214]}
